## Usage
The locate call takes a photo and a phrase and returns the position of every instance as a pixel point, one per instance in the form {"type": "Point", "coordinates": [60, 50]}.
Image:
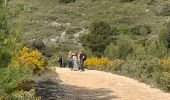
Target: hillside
{"type": "Point", "coordinates": [60, 24]}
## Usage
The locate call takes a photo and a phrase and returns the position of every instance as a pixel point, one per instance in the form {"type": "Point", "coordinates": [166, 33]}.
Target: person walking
{"type": "Point", "coordinates": [70, 60]}
{"type": "Point", "coordinates": [60, 60]}
{"type": "Point", "coordinates": [75, 62]}
{"type": "Point", "coordinates": [82, 57]}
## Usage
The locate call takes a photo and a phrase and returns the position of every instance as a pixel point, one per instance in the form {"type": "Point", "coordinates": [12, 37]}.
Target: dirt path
{"type": "Point", "coordinates": [97, 85]}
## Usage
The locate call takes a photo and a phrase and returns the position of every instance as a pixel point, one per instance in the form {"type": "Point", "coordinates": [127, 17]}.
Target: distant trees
{"type": "Point", "coordinates": [99, 37]}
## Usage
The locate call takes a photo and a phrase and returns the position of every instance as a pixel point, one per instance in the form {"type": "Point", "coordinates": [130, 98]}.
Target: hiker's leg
{"type": "Point", "coordinates": [60, 63]}
{"type": "Point", "coordinates": [81, 65]}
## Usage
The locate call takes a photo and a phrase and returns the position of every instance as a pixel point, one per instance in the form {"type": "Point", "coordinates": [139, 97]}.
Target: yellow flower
{"type": "Point", "coordinates": [96, 62]}
{"type": "Point", "coordinates": [30, 57]}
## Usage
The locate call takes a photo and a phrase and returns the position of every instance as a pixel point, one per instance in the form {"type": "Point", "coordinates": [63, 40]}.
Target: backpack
{"type": "Point", "coordinates": [85, 56]}
{"type": "Point", "coordinates": [70, 59]}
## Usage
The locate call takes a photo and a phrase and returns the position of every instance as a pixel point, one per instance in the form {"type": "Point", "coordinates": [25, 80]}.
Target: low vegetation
{"type": "Point", "coordinates": [131, 35]}
{"type": "Point", "coordinates": [139, 56]}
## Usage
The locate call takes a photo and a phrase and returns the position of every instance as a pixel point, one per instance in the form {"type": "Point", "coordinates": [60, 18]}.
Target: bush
{"type": "Point", "coordinates": [39, 45]}
{"type": "Point", "coordinates": [150, 2]}
{"type": "Point", "coordinates": [66, 1]}
{"type": "Point", "coordinates": [141, 30]}
{"type": "Point", "coordinates": [123, 1]}
{"type": "Point", "coordinates": [5, 58]}
{"type": "Point", "coordinates": [164, 35]}
{"type": "Point", "coordinates": [96, 63]}
{"type": "Point", "coordinates": [100, 35]}
{"type": "Point", "coordinates": [12, 76]}
{"type": "Point", "coordinates": [143, 67]}
{"type": "Point", "coordinates": [157, 49]}
{"type": "Point", "coordinates": [24, 95]}
{"type": "Point", "coordinates": [165, 10]}
{"type": "Point", "coordinates": [112, 51]}
{"type": "Point", "coordinates": [165, 77]}
{"type": "Point", "coordinates": [125, 46]}
{"type": "Point", "coordinates": [123, 29]}
{"type": "Point", "coordinates": [32, 58]}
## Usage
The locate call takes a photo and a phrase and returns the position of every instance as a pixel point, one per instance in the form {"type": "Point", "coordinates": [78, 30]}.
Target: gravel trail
{"type": "Point", "coordinates": [98, 85]}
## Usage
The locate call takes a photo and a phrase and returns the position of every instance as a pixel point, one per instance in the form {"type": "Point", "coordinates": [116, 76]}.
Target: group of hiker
{"type": "Point", "coordinates": [75, 60]}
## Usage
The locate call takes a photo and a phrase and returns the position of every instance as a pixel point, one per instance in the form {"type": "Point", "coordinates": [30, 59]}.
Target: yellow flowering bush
{"type": "Point", "coordinates": [96, 62]}
{"type": "Point", "coordinates": [32, 58]}
{"type": "Point", "coordinates": [165, 62]}
{"type": "Point", "coordinates": [102, 63]}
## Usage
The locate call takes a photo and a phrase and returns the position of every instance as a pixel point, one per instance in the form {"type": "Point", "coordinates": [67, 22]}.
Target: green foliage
{"type": "Point", "coordinates": [143, 67]}
{"type": "Point", "coordinates": [23, 95]}
{"type": "Point", "coordinates": [100, 35]}
{"type": "Point", "coordinates": [39, 45]}
{"type": "Point", "coordinates": [157, 49]}
{"type": "Point", "coordinates": [164, 35]}
{"type": "Point", "coordinates": [66, 1]}
{"type": "Point", "coordinates": [167, 35]}
{"type": "Point", "coordinates": [141, 30]}
{"type": "Point", "coordinates": [3, 25]}
{"type": "Point", "coordinates": [150, 2]}
{"type": "Point", "coordinates": [5, 58]}
{"type": "Point", "coordinates": [125, 46]}
{"type": "Point", "coordinates": [123, 29]}
{"type": "Point", "coordinates": [123, 1]}
{"type": "Point", "coordinates": [111, 51]}
{"type": "Point", "coordinates": [12, 76]}
{"type": "Point", "coordinates": [165, 10]}
{"type": "Point", "coordinates": [71, 31]}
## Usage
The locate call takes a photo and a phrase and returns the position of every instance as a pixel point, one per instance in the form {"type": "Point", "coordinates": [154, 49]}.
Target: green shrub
{"type": "Point", "coordinates": [141, 30]}
{"type": "Point", "coordinates": [165, 10]}
{"type": "Point", "coordinates": [157, 49]}
{"type": "Point", "coordinates": [150, 2]}
{"type": "Point", "coordinates": [164, 81]}
{"type": "Point", "coordinates": [123, 1]}
{"type": "Point", "coordinates": [66, 1]}
{"type": "Point", "coordinates": [164, 35]}
{"type": "Point", "coordinates": [39, 45]}
{"type": "Point", "coordinates": [23, 95]}
{"type": "Point", "coordinates": [123, 29]}
{"type": "Point", "coordinates": [71, 31]}
{"type": "Point", "coordinates": [112, 51]}
{"type": "Point", "coordinates": [100, 35]}
{"type": "Point", "coordinates": [143, 67]}
{"type": "Point", "coordinates": [12, 76]}
{"type": "Point", "coordinates": [5, 58]}
{"type": "Point", "coordinates": [125, 46]}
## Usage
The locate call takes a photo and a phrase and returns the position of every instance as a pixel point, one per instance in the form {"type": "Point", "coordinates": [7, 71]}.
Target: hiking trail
{"type": "Point", "coordinates": [98, 85]}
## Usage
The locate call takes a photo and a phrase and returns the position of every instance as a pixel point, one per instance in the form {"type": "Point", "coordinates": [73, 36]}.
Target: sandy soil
{"type": "Point", "coordinates": [98, 85]}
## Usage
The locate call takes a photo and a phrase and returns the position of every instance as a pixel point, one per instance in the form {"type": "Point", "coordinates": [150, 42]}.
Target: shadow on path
{"type": "Point", "coordinates": [52, 91]}
{"type": "Point", "coordinates": [81, 93]}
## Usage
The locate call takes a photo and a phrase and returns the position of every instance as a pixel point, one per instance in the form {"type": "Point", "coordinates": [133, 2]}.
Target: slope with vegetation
{"type": "Point", "coordinates": [134, 34]}
{"type": "Point", "coordinates": [21, 70]}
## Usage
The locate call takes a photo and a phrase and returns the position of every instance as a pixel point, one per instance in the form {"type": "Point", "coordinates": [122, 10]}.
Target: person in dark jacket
{"type": "Point", "coordinates": [82, 58]}
{"type": "Point", "coordinates": [60, 60]}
